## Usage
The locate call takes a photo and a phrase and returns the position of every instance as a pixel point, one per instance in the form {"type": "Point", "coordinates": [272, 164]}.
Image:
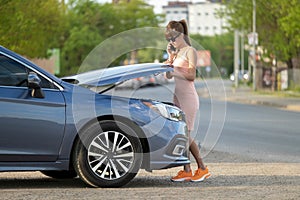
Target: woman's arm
{"type": "Point", "coordinates": [190, 72]}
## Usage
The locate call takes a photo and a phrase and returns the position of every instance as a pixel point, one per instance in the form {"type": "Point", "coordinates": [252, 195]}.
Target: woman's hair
{"type": "Point", "coordinates": [178, 26]}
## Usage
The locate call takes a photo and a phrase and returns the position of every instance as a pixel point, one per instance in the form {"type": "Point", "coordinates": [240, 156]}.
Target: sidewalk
{"type": "Point", "coordinates": [245, 94]}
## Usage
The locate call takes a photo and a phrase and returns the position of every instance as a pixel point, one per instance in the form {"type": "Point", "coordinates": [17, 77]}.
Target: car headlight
{"type": "Point", "coordinates": [246, 76]}
{"type": "Point", "coordinates": [231, 77]}
{"type": "Point", "coordinates": [167, 111]}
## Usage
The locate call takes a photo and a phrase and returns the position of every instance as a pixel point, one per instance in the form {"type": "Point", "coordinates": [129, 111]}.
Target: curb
{"type": "Point", "coordinates": [295, 108]}
{"type": "Point", "coordinates": [290, 107]}
{"type": "Point", "coordinates": [246, 97]}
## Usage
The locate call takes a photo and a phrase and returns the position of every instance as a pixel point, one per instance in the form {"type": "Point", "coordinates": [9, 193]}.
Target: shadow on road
{"type": "Point", "coordinates": [155, 182]}
{"type": "Point", "coordinates": [217, 181]}
{"type": "Point", "coordinates": [34, 183]}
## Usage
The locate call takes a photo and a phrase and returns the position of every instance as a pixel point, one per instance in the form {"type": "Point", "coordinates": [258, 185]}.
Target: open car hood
{"type": "Point", "coordinates": [118, 74]}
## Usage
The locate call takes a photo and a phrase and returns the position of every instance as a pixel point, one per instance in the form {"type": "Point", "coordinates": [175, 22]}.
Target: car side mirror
{"type": "Point", "coordinates": [34, 83]}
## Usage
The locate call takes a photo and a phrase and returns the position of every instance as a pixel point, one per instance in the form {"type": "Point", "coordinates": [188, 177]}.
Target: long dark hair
{"type": "Point", "coordinates": [178, 26]}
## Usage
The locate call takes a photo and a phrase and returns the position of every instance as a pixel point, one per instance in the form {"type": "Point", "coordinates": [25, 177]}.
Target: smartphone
{"type": "Point", "coordinates": [172, 47]}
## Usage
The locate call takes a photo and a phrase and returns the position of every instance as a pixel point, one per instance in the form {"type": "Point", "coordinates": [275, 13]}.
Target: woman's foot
{"type": "Point", "coordinates": [182, 176]}
{"type": "Point", "coordinates": [200, 175]}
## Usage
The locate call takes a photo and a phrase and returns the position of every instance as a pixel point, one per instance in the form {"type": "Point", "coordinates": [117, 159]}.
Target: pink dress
{"type": "Point", "coordinates": [185, 95]}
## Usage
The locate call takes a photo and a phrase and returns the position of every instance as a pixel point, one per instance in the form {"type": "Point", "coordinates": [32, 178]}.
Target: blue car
{"type": "Point", "coordinates": [75, 126]}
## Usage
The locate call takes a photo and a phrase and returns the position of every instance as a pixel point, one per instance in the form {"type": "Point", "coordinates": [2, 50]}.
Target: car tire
{"type": "Point", "coordinates": [60, 174]}
{"type": "Point", "coordinates": [108, 154]}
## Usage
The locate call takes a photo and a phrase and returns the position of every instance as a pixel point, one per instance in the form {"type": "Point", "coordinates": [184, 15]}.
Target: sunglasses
{"type": "Point", "coordinates": [172, 39]}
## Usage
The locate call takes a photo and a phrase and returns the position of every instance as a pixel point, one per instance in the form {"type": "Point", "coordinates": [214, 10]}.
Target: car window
{"type": "Point", "coordinates": [13, 73]}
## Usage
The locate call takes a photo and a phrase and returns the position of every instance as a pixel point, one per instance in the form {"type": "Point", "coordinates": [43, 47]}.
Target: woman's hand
{"type": "Point", "coordinates": [169, 48]}
{"type": "Point", "coordinates": [170, 51]}
{"type": "Point", "coordinates": [188, 73]}
{"type": "Point", "coordinates": [169, 75]}
{"type": "Point", "coordinates": [185, 73]}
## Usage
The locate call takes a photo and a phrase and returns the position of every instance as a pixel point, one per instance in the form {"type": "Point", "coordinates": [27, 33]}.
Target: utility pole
{"type": "Point", "coordinates": [242, 52]}
{"type": "Point", "coordinates": [254, 41]}
{"type": "Point", "coordinates": [236, 58]}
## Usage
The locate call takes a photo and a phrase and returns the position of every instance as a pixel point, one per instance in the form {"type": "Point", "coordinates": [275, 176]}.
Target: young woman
{"type": "Point", "coordinates": [184, 59]}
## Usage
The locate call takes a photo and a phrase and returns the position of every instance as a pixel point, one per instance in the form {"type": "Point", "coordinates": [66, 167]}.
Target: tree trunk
{"type": "Point", "coordinates": [296, 62]}
{"type": "Point", "coordinates": [289, 63]}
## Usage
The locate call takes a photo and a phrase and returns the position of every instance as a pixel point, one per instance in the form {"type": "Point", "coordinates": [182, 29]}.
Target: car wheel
{"type": "Point", "coordinates": [60, 174]}
{"type": "Point", "coordinates": [108, 154]}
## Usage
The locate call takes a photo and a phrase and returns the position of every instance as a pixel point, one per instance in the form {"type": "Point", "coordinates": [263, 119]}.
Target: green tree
{"type": "Point", "coordinates": [221, 48]}
{"type": "Point", "coordinates": [31, 27]}
{"type": "Point", "coordinates": [78, 45]}
{"type": "Point", "coordinates": [90, 23]}
{"type": "Point", "coordinates": [135, 14]}
{"type": "Point", "coordinates": [277, 25]}
{"type": "Point", "coordinates": [80, 36]}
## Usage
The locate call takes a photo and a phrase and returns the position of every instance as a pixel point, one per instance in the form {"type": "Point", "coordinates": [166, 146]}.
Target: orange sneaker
{"type": "Point", "coordinates": [200, 175]}
{"type": "Point", "coordinates": [182, 176]}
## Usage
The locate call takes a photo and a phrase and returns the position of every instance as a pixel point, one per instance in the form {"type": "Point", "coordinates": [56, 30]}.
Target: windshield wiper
{"type": "Point", "coordinates": [110, 87]}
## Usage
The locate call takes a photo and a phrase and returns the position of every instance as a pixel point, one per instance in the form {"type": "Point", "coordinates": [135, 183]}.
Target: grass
{"type": "Point", "coordinates": [286, 93]}
{"type": "Point", "coordinates": [294, 93]}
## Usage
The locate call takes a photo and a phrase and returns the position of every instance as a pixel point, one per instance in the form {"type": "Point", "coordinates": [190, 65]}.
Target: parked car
{"type": "Point", "coordinates": [151, 80]}
{"type": "Point", "coordinates": [65, 129]}
{"type": "Point", "coordinates": [148, 80]}
{"type": "Point", "coordinates": [161, 79]}
{"type": "Point", "coordinates": [134, 83]}
{"type": "Point", "coordinates": [241, 76]}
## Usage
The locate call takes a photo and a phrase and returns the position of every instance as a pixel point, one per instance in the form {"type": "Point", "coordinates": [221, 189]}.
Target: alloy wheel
{"type": "Point", "coordinates": [110, 155]}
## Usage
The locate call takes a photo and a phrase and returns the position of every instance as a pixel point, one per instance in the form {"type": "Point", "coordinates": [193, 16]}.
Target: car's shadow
{"type": "Point", "coordinates": [15, 183]}
{"type": "Point", "coordinates": [153, 182]}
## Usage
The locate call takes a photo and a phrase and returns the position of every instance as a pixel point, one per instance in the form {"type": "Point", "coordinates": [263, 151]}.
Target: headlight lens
{"type": "Point", "coordinates": [167, 111]}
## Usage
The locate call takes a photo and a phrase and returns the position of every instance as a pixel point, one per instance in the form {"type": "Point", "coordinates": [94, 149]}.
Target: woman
{"type": "Point", "coordinates": [184, 58]}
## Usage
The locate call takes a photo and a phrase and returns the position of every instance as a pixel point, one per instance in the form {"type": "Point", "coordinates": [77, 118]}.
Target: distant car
{"type": "Point", "coordinates": [241, 76]}
{"type": "Point", "coordinates": [134, 83]}
{"type": "Point", "coordinates": [64, 129]}
{"type": "Point", "coordinates": [161, 79]}
{"type": "Point", "coordinates": [149, 80]}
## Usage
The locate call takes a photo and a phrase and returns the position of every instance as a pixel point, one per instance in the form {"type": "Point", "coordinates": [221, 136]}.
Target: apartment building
{"type": "Point", "coordinates": [176, 11]}
{"type": "Point", "coordinates": [201, 16]}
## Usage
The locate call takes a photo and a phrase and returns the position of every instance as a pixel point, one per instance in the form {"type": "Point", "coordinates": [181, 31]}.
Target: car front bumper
{"type": "Point", "coordinates": [168, 143]}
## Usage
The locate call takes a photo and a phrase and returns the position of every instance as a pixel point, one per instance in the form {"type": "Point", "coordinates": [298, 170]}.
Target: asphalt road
{"type": "Point", "coordinates": [266, 134]}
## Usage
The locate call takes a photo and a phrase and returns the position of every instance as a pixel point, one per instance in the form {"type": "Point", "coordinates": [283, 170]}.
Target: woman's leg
{"type": "Point", "coordinates": [194, 149]}
{"type": "Point", "coordinates": [202, 172]}
{"type": "Point", "coordinates": [187, 167]}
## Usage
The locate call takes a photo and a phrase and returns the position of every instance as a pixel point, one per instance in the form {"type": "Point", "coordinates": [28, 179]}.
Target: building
{"type": "Point", "coordinates": [176, 10]}
{"type": "Point", "coordinates": [203, 19]}
{"type": "Point", "coordinates": [201, 16]}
